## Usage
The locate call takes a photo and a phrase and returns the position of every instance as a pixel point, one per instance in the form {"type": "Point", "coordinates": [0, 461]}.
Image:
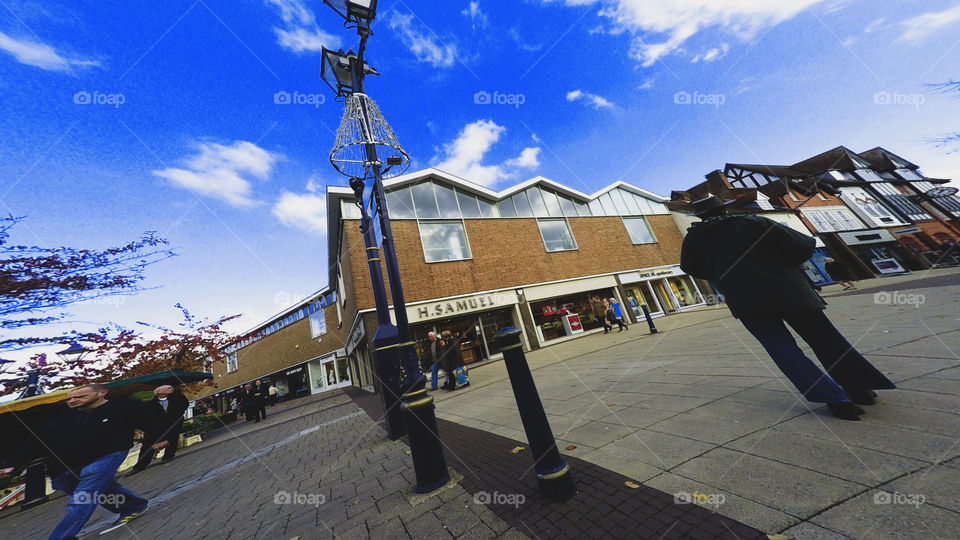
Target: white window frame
{"type": "Point", "coordinates": [566, 222]}
{"type": "Point", "coordinates": [649, 228]}
{"type": "Point", "coordinates": [466, 237]}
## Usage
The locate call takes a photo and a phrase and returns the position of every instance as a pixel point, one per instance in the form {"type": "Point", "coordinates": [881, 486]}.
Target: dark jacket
{"type": "Point", "coordinates": [170, 420]}
{"type": "Point", "coordinates": [838, 271]}
{"type": "Point", "coordinates": [450, 357]}
{"type": "Point", "coordinates": [77, 438]}
{"type": "Point", "coordinates": [754, 262]}
{"type": "Point", "coordinates": [260, 393]}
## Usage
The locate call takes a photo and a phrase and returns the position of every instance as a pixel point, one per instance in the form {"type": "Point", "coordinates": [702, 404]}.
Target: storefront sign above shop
{"type": "Point", "coordinates": [294, 370]}
{"type": "Point", "coordinates": [874, 236]}
{"type": "Point", "coordinates": [905, 230]}
{"type": "Point", "coordinates": [634, 277]}
{"type": "Point", "coordinates": [355, 336]}
{"type": "Point", "coordinates": [460, 306]}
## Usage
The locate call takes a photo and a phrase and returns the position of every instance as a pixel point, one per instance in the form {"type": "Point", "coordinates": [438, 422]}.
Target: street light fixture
{"type": "Point", "coordinates": [74, 354]}
{"type": "Point", "coordinates": [365, 142]}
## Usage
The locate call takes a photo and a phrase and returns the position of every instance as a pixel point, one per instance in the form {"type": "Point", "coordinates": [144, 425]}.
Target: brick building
{"type": "Point", "coordinates": [474, 261]}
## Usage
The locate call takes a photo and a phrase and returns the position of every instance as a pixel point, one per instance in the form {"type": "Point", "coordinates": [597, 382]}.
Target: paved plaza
{"type": "Point", "coordinates": [691, 432]}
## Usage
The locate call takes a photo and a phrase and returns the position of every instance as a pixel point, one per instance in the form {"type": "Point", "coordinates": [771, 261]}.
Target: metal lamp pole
{"type": "Point", "coordinates": [362, 132]}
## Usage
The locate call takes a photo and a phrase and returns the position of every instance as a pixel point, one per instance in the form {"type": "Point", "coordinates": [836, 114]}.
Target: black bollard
{"type": "Point", "coordinates": [646, 313]}
{"type": "Point", "coordinates": [553, 473]}
{"type": "Point", "coordinates": [429, 463]}
{"type": "Point", "coordinates": [35, 484]}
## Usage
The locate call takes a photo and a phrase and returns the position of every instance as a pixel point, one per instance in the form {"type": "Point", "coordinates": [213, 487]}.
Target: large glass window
{"type": "Point", "coordinates": [631, 201]}
{"type": "Point", "coordinates": [553, 206]}
{"type": "Point", "coordinates": [506, 208]}
{"type": "Point", "coordinates": [447, 200]}
{"type": "Point", "coordinates": [468, 204]}
{"type": "Point", "coordinates": [556, 234]}
{"type": "Point", "coordinates": [618, 202]}
{"type": "Point", "coordinates": [487, 208]}
{"type": "Point", "coordinates": [425, 201]}
{"type": "Point", "coordinates": [569, 209]}
{"type": "Point", "coordinates": [639, 230]}
{"type": "Point", "coordinates": [536, 201]}
{"type": "Point", "coordinates": [400, 204]}
{"type": "Point", "coordinates": [444, 241]}
{"type": "Point", "coordinates": [582, 208]}
{"type": "Point", "coordinates": [318, 325]}
{"type": "Point", "coordinates": [522, 204]}
{"type": "Point", "coordinates": [607, 203]}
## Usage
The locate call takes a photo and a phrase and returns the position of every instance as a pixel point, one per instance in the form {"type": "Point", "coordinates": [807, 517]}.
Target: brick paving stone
{"type": "Point", "coordinates": [427, 526]}
{"type": "Point", "coordinates": [391, 528]}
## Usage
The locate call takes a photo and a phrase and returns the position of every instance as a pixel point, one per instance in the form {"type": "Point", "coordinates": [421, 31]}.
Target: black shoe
{"type": "Point", "coordinates": [863, 397]}
{"type": "Point", "coordinates": [845, 410]}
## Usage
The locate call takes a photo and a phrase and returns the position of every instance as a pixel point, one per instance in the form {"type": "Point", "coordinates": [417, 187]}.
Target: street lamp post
{"type": "Point", "coordinates": [364, 143]}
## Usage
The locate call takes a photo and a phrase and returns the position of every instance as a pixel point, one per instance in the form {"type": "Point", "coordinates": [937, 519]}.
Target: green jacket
{"type": "Point", "coordinates": [754, 262]}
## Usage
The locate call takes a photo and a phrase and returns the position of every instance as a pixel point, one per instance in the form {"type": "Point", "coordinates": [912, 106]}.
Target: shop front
{"type": "Point", "coordinates": [358, 357]}
{"type": "Point", "coordinates": [879, 250]}
{"type": "Point", "coordinates": [663, 290]}
{"type": "Point", "coordinates": [291, 383]}
{"type": "Point", "coordinates": [329, 372]}
{"type": "Point", "coordinates": [566, 309]}
{"type": "Point", "coordinates": [472, 319]}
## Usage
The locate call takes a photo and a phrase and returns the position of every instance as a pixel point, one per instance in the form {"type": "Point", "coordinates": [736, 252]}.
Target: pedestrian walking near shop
{"type": "Point", "coordinates": [839, 273]}
{"type": "Point", "coordinates": [611, 315]}
{"type": "Point", "coordinates": [600, 313]}
{"type": "Point", "coordinates": [260, 393]}
{"type": "Point", "coordinates": [450, 357]}
{"type": "Point", "coordinates": [272, 393]}
{"type": "Point", "coordinates": [755, 263]}
{"type": "Point", "coordinates": [84, 448]}
{"type": "Point", "coordinates": [618, 314]}
{"type": "Point", "coordinates": [434, 347]}
{"type": "Point", "coordinates": [168, 406]}
{"type": "Point", "coordinates": [248, 403]}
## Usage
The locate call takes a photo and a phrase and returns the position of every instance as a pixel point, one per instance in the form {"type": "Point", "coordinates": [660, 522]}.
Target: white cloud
{"type": "Point", "coordinates": [678, 20]}
{"type": "Point", "coordinates": [647, 85]}
{"type": "Point", "coordinates": [713, 54]}
{"type": "Point", "coordinates": [301, 33]}
{"type": "Point", "coordinates": [464, 155]}
{"type": "Point", "coordinates": [304, 211]}
{"type": "Point", "coordinates": [218, 171]}
{"type": "Point", "coordinates": [423, 46]}
{"type": "Point", "coordinates": [39, 55]}
{"type": "Point", "coordinates": [922, 26]}
{"type": "Point", "coordinates": [477, 17]}
{"type": "Point", "coordinates": [592, 99]}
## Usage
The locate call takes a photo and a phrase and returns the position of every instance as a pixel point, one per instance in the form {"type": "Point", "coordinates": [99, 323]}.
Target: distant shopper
{"type": "Point", "coordinates": [618, 314]}
{"type": "Point", "coordinates": [433, 348]}
{"type": "Point", "coordinates": [600, 313]}
{"type": "Point", "coordinates": [260, 393]}
{"type": "Point", "coordinates": [248, 403]}
{"type": "Point", "coordinates": [450, 357]}
{"type": "Point", "coordinates": [273, 393]}
{"type": "Point", "coordinates": [611, 315]}
{"type": "Point", "coordinates": [755, 263]}
{"type": "Point", "coordinates": [168, 406]}
{"type": "Point", "coordinates": [839, 273]}
{"type": "Point", "coordinates": [84, 447]}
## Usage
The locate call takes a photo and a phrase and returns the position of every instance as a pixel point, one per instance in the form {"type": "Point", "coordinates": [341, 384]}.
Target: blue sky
{"type": "Point", "coordinates": [119, 118]}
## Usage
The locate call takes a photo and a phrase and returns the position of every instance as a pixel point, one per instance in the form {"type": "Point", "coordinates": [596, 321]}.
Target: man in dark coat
{"type": "Point", "coordinates": [84, 448]}
{"type": "Point", "coordinates": [248, 403]}
{"type": "Point", "coordinates": [168, 406]}
{"type": "Point", "coordinates": [755, 263]}
{"type": "Point", "coordinates": [260, 392]}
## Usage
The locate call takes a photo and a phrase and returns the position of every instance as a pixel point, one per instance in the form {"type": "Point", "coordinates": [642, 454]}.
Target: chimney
{"type": "Point", "coordinates": [719, 185]}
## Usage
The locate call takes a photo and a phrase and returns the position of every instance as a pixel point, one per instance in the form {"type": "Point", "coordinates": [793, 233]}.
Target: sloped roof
{"type": "Point", "coordinates": [883, 160]}
{"type": "Point", "coordinates": [840, 158]}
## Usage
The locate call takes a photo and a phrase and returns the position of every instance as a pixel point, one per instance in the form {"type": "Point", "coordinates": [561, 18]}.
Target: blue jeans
{"type": "Point", "coordinates": [93, 485]}
{"type": "Point", "coordinates": [846, 368]}
{"type": "Point", "coordinates": [433, 375]}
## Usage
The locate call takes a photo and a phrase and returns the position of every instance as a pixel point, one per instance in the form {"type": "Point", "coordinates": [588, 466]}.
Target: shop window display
{"type": "Point", "coordinates": [547, 313]}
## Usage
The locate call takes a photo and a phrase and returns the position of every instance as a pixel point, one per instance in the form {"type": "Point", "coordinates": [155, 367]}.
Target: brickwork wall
{"type": "Point", "coordinates": [510, 252]}
{"type": "Point", "coordinates": [288, 346]}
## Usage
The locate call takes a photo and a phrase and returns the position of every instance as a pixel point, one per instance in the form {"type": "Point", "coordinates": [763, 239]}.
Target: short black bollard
{"type": "Point", "coordinates": [553, 473]}
{"type": "Point", "coordinates": [646, 313]}
{"type": "Point", "coordinates": [35, 484]}
{"type": "Point", "coordinates": [429, 463]}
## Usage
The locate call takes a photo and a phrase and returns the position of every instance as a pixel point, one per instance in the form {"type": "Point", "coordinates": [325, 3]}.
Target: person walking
{"type": "Point", "coordinates": [168, 406]}
{"type": "Point", "coordinates": [600, 313]}
{"type": "Point", "coordinates": [755, 263]}
{"type": "Point", "coordinates": [618, 314]}
{"type": "Point", "coordinates": [84, 447]}
{"type": "Point", "coordinates": [434, 347]}
{"type": "Point", "coordinates": [450, 357]}
{"type": "Point", "coordinates": [839, 273]}
{"type": "Point", "coordinates": [260, 393]}
{"type": "Point", "coordinates": [611, 316]}
{"type": "Point", "coordinates": [248, 403]}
